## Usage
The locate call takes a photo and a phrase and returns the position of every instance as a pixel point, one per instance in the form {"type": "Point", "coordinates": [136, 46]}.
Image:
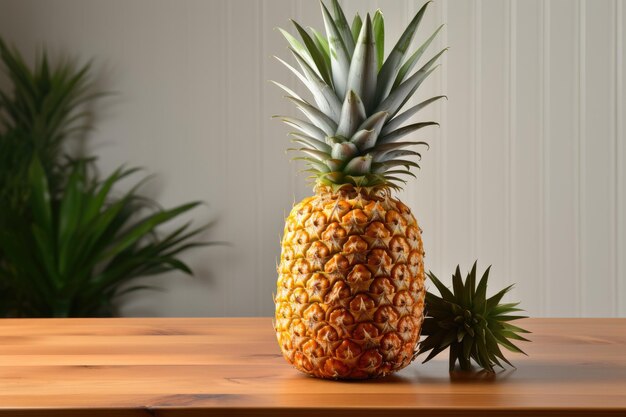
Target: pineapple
{"type": "Point", "coordinates": [350, 291]}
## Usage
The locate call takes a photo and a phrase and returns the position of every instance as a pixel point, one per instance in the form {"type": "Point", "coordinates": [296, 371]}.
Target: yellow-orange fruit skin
{"type": "Point", "coordinates": [350, 291]}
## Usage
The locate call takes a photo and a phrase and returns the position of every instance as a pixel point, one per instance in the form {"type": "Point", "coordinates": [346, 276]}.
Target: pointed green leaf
{"type": "Point", "coordinates": [482, 353]}
{"type": "Point", "coordinates": [334, 164]}
{"type": "Point", "coordinates": [40, 196]}
{"type": "Point", "coordinates": [70, 217]}
{"type": "Point", "coordinates": [402, 131]}
{"type": "Point", "coordinates": [339, 55]}
{"type": "Point", "coordinates": [301, 49]}
{"type": "Point", "coordinates": [317, 117]}
{"type": "Point", "coordinates": [314, 153]}
{"type": "Point", "coordinates": [511, 318]}
{"type": "Point", "coordinates": [375, 122]}
{"type": "Point", "coordinates": [457, 285]}
{"type": "Point", "coordinates": [505, 308]}
{"type": "Point", "coordinates": [378, 23]}
{"type": "Point", "coordinates": [178, 265]}
{"type": "Point", "coordinates": [514, 328]}
{"type": "Point", "coordinates": [470, 287]}
{"type": "Point", "coordinates": [319, 166]}
{"type": "Point", "coordinates": [381, 167]}
{"type": "Point", "coordinates": [307, 128]}
{"type": "Point", "coordinates": [342, 25]}
{"type": "Point", "coordinates": [357, 23]}
{"type": "Point", "coordinates": [398, 97]}
{"type": "Point", "coordinates": [324, 95]}
{"type": "Point", "coordinates": [480, 301]}
{"type": "Point", "coordinates": [364, 139]}
{"type": "Point", "coordinates": [494, 300]}
{"type": "Point", "coordinates": [95, 207]}
{"type": "Point", "coordinates": [137, 288]}
{"type": "Point", "coordinates": [363, 68]}
{"type": "Point", "coordinates": [148, 224]}
{"type": "Point", "coordinates": [316, 54]}
{"type": "Point", "coordinates": [514, 336]}
{"type": "Point", "coordinates": [391, 178]}
{"type": "Point", "coordinates": [333, 178]}
{"type": "Point", "coordinates": [309, 141]}
{"type": "Point", "coordinates": [389, 70]}
{"type": "Point", "coordinates": [432, 341]}
{"type": "Point", "coordinates": [507, 344]}
{"type": "Point", "coordinates": [492, 345]}
{"type": "Point", "coordinates": [406, 68]}
{"type": "Point", "coordinates": [383, 148]}
{"type": "Point", "coordinates": [400, 171]}
{"type": "Point", "coordinates": [287, 90]}
{"type": "Point", "coordinates": [468, 345]}
{"type": "Point", "coordinates": [322, 45]}
{"type": "Point", "coordinates": [359, 165]}
{"type": "Point", "coordinates": [297, 73]}
{"type": "Point", "coordinates": [46, 254]}
{"type": "Point", "coordinates": [390, 155]}
{"type": "Point", "coordinates": [344, 151]}
{"type": "Point", "coordinates": [446, 294]}
{"type": "Point", "coordinates": [352, 115]}
{"type": "Point", "coordinates": [433, 353]}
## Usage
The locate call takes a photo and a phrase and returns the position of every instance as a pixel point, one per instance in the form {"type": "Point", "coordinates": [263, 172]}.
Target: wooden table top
{"type": "Point", "coordinates": [170, 367]}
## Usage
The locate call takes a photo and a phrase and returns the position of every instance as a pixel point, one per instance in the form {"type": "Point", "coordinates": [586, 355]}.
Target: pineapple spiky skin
{"type": "Point", "coordinates": [350, 290]}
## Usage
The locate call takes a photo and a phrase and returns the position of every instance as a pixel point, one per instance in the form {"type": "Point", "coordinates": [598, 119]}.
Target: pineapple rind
{"type": "Point", "coordinates": [350, 291]}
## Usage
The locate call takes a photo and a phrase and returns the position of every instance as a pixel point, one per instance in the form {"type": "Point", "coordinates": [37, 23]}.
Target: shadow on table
{"type": "Point", "coordinates": [535, 372]}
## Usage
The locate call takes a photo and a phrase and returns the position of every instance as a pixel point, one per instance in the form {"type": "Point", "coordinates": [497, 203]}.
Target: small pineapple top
{"type": "Point", "coordinates": [354, 130]}
{"type": "Point", "coordinates": [470, 324]}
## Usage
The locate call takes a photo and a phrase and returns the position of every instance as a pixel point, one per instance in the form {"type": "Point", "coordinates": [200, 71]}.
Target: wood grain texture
{"type": "Point", "coordinates": [232, 366]}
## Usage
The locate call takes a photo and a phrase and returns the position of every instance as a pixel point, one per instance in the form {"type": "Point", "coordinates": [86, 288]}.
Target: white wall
{"type": "Point", "coordinates": [526, 173]}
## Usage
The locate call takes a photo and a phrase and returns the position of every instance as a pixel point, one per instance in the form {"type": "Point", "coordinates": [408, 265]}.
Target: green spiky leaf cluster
{"type": "Point", "coordinates": [83, 246]}
{"type": "Point", "coordinates": [355, 124]}
{"type": "Point", "coordinates": [471, 325]}
{"type": "Point", "coordinates": [41, 108]}
{"type": "Point", "coordinates": [70, 245]}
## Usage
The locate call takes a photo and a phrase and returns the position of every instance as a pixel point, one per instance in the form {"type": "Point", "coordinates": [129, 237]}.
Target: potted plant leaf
{"type": "Point", "coordinates": [69, 244]}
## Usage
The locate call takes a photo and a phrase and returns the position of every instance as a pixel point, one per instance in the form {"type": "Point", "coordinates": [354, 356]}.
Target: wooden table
{"type": "Point", "coordinates": [215, 366]}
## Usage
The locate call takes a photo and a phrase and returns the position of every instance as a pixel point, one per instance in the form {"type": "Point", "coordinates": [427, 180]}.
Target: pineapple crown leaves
{"type": "Point", "coordinates": [470, 324]}
{"type": "Point", "coordinates": [352, 129]}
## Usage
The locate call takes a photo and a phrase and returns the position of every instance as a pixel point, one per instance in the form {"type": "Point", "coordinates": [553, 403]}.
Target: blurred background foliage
{"type": "Point", "coordinates": [69, 243]}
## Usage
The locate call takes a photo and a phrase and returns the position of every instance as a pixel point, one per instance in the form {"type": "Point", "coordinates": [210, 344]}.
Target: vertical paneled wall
{"type": "Point", "coordinates": [526, 172]}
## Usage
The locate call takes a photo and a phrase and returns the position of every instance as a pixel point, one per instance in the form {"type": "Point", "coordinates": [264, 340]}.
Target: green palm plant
{"type": "Point", "coordinates": [83, 246]}
{"type": "Point", "coordinates": [45, 107]}
{"type": "Point", "coordinates": [68, 245]}
{"type": "Point", "coordinates": [42, 108]}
